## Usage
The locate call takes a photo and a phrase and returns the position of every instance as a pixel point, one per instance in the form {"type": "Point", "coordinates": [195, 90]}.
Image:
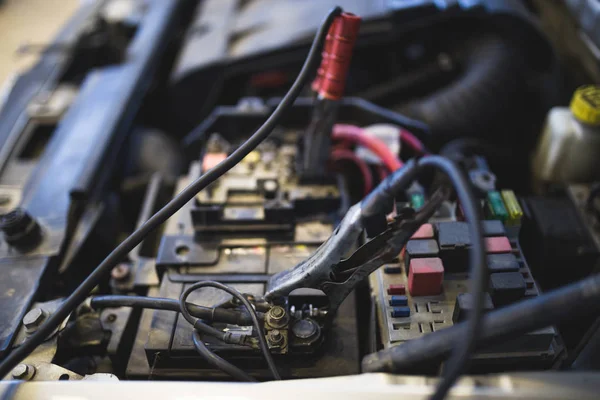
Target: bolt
{"type": "Point", "coordinates": [120, 272]}
{"type": "Point", "coordinates": [277, 313]}
{"type": "Point", "coordinates": [23, 371]}
{"type": "Point", "coordinates": [277, 317]}
{"type": "Point", "coordinates": [33, 319]}
{"type": "Point", "coordinates": [274, 337]}
{"type": "Point", "coordinates": [20, 229]}
{"type": "Point", "coordinates": [13, 221]}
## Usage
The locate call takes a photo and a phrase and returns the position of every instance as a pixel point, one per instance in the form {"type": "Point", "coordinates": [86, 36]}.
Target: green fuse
{"type": "Point", "coordinates": [515, 213]}
{"type": "Point", "coordinates": [417, 200]}
{"type": "Point", "coordinates": [496, 207]}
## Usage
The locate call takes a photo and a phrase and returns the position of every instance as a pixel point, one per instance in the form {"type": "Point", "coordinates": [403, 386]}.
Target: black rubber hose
{"type": "Point", "coordinates": [219, 362]}
{"type": "Point", "coordinates": [564, 304]}
{"type": "Point", "coordinates": [118, 254]}
{"type": "Point", "coordinates": [491, 92]}
{"type": "Point", "coordinates": [161, 303]}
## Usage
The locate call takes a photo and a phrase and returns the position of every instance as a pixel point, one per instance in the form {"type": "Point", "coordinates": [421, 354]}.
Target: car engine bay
{"type": "Point", "coordinates": [395, 195]}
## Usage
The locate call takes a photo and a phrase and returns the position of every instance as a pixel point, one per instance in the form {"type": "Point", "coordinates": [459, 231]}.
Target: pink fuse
{"type": "Point", "coordinates": [497, 245]}
{"type": "Point", "coordinates": [211, 160]}
{"type": "Point", "coordinates": [424, 232]}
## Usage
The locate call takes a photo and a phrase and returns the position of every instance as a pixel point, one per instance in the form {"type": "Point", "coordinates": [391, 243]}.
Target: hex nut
{"type": "Point", "coordinates": [23, 371]}
{"type": "Point", "coordinates": [120, 272]}
{"type": "Point", "coordinates": [275, 337]}
{"type": "Point", "coordinates": [33, 319]}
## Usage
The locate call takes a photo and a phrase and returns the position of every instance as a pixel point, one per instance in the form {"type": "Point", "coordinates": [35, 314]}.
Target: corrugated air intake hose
{"type": "Point", "coordinates": [489, 96]}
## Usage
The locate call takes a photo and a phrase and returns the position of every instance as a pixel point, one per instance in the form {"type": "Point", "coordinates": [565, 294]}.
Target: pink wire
{"type": "Point", "coordinates": [412, 141]}
{"type": "Point", "coordinates": [339, 154]}
{"type": "Point", "coordinates": [357, 135]}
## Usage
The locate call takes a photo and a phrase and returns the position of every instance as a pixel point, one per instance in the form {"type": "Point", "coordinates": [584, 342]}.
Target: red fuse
{"type": "Point", "coordinates": [496, 245]}
{"type": "Point", "coordinates": [425, 276]}
{"type": "Point", "coordinates": [396, 289]}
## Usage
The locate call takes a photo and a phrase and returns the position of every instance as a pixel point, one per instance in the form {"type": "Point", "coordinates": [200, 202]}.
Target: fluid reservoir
{"type": "Point", "coordinates": [569, 149]}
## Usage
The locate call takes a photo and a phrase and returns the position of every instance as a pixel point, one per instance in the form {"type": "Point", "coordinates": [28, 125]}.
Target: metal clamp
{"type": "Point", "coordinates": [328, 270]}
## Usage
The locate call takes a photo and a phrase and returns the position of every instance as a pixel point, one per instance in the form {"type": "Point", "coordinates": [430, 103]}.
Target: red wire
{"type": "Point", "coordinates": [339, 154]}
{"type": "Point", "coordinates": [357, 135]}
{"type": "Point", "coordinates": [412, 141]}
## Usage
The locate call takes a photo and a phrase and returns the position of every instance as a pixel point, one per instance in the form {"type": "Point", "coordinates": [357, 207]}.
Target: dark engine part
{"type": "Point", "coordinates": [554, 236]}
{"type": "Point", "coordinates": [561, 240]}
{"type": "Point", "coordinates": [224, 61]}
{"type": "Point", "coordinates": [490, 93]}
{"type": "Point", "coordinates": [64, 185]}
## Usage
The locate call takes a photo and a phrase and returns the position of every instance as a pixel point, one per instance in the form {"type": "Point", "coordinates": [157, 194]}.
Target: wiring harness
{"type": "Point", "coordinates": [457, 342]}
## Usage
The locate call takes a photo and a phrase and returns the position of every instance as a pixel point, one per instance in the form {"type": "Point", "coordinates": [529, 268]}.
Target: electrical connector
{"type": "Point", "coordinates": [337, 53]}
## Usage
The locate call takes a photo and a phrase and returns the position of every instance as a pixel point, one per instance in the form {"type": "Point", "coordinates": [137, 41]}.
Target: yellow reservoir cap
{"type": "Point", "coordinates": [585, 104]}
